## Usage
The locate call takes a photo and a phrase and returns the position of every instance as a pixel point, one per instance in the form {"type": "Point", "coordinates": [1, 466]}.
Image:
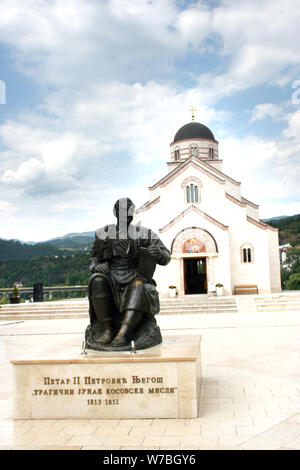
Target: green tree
{"type": "Point", "coordinates": [294, 282]}
{"type": "Point", "coordinates": [290, 269]}
{"type": "Point", "coordinates": [292, 261]}
{"type": "Point", "coordinates": [289, 229]}
{"type": "Point", "coordinates": [50, 270]}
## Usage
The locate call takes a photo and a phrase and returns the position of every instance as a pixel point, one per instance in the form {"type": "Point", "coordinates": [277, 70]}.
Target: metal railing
{"type": "Point", "coordinates": [48, 290]}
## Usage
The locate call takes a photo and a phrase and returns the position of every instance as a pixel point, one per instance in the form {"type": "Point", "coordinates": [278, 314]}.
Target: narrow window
{"type": "Point", "coordinates": [196, 193]}
{"type": "Point", "coordinates": [247, 255]}
{"type": "Point", "coordinates": [192, 193]}
{"type": "Point", "coordinates": [176, 154]}
{"type": "Point", "coordinates": [188, 199]}
{"type": "Point", "coordinates": [194, 151]}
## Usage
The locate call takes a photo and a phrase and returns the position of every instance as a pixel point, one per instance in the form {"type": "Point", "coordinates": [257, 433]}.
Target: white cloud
{"type": "Point", "coordinates": [79, 42]}
{"type": "Point", "coordinates": [127, 125]}
{"type": "Point", "coordinates": [7, 208]}
{"type": "Point", "coordinates": [244, 159]}
{"type": "Point", "coordinates": [265, 110]}
{"type": "Point", "coordinates": [46, 161]}
{"type": "Point", "coordinates": [268, 169]}
{"type": "Point", "coordinates": [293, 129]}
{"type": "Point", "coordinates": [260, 42]}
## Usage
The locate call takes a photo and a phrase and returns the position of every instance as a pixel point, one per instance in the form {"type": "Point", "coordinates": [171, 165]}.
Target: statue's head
{"type": "Point", "coordinates": [124, 209]}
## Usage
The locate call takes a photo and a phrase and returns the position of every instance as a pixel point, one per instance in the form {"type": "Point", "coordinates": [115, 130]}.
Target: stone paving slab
{"type": "Point", "coordinates": [250, 397]}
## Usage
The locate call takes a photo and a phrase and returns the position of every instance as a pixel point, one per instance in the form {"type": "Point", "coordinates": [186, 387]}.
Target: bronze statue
{"type": "Point", "coordinates": [122, 295]}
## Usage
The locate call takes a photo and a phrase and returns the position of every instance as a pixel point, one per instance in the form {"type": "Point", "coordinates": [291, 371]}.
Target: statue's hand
{"type": "Point", "coordinates": [101, 268]}
{"type": "Point", "coordinates": [154, 252]}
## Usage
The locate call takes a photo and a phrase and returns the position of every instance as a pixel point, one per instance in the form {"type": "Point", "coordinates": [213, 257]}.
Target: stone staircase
{"type": "Point", "coordinates": [75, 308]}
{"type": "Point", "coordinates": [190, 304]}
{"type": "Point", "coordinates": [197, 304]}
{"type": "Point", "coordinates": [78, 308]}
{"type": "Point", "coordinates": [285, 302]}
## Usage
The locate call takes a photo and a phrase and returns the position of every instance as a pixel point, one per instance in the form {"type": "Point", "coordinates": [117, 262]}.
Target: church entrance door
{"type": "Point", "coordinates": [195, 278]}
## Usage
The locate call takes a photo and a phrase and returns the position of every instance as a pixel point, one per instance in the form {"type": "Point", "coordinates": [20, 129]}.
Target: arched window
{"type": "Point", "coordinates": [191, 186]}
{"type": "Point", "coordinates": [192, 193]}
{"type": "Point", "coordinates": [247, 253]}
{"type": "Point", "coordinates": [211, 153]}
{"type": "Point", "coordinates": [177, 154]}
{"type": "Point", "coordinates": [194, 150]}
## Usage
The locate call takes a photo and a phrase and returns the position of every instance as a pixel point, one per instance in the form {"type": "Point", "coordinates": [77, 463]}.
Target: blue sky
{"type": "Point", "coordinates": [96, 90]}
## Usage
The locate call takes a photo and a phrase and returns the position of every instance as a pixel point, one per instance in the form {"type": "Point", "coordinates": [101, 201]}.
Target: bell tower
{"type": "Point", "coordinates": [194, 140]}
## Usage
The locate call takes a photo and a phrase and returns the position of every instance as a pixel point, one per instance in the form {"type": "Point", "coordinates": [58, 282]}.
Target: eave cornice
{"type": "Point", "coordinates": [199, 212]}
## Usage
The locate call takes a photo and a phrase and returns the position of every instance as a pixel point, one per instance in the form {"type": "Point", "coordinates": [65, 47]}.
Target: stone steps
{"type": "Point", "coordinates": [79, 308]}
{"type": "Point", "coordinates": [41, 316]}
{"type": "Point", "coordinates": [277, 308]}
{"type": "Point", "coordinates": [76, 308]}
{"type": "Point", "coordinates": [197, 304]}
{"type": "Point", "coordinates": [279, 303]}
{"type": "Point", "coordinates": [41, 309]}
{"type": "Point", "coordinates": [197, 311]}
{"type": "Point", "coordinates": [231, 302]}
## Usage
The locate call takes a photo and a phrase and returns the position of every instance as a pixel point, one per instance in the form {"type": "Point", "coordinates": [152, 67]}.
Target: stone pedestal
{"type": "Point", "coordinates": [161, 382]}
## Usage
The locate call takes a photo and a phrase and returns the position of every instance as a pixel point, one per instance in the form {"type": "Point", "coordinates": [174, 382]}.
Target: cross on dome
{"type": "Point", "coordinates": [192, 110]}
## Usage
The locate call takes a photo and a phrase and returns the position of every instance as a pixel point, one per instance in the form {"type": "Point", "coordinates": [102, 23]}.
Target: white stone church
{"type": "Point", "coordinates": [214, 234]}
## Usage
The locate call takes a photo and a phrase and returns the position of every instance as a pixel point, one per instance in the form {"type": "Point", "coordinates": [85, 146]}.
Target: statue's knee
{"type": "Point", "coordinates": [137, 282]}
{"type": "Point", "coordinates": [100, 285]}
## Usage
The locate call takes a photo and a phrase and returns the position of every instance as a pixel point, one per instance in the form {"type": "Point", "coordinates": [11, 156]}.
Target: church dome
{"type": "Point", "coordinates": [193, 130]}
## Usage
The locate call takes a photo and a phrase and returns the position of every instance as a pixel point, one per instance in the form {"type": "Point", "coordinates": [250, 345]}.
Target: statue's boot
{"type": "Point", "coordinates": [105, 332]}
{"type": "Point", "coordinates": [130, 319]}
{"type": "Point", "coordinates": [103, 306]}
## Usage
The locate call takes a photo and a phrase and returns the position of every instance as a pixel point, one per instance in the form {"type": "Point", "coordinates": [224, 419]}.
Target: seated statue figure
{"type": "Point", "coordinates": [122, 295]}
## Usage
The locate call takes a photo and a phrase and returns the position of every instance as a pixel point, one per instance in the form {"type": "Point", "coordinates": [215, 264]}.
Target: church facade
{"type": "Point", "coordinates": [214, 234]}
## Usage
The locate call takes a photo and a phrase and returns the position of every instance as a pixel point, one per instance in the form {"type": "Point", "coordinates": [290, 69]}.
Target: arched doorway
{"type": "Point", "coordinates": [195, 246]}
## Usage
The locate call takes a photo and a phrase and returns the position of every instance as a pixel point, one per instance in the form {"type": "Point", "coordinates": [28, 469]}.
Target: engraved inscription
{"type": "Point", "coordinates": [105, 390]}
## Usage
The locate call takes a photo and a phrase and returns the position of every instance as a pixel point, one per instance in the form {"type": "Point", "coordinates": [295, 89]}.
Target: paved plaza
{"type": "Point", "coordinates": [250, 396]}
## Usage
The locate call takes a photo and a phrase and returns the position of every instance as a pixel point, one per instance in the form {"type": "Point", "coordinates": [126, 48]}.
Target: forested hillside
{"type": "Point", "coordinates": [289, 229]}
{"type": "Point", "coordinates": [73, 242]}
{"type": "Point", "coordinates": [43, 262]}
{"type": "Point", "coordinates": [11, 249]}
{"type": "Point", "coordinates": [50, 270]}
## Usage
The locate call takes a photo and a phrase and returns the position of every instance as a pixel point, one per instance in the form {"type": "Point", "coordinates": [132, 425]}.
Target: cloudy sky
{"type": "Point", "coordinates": [92, 93]}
